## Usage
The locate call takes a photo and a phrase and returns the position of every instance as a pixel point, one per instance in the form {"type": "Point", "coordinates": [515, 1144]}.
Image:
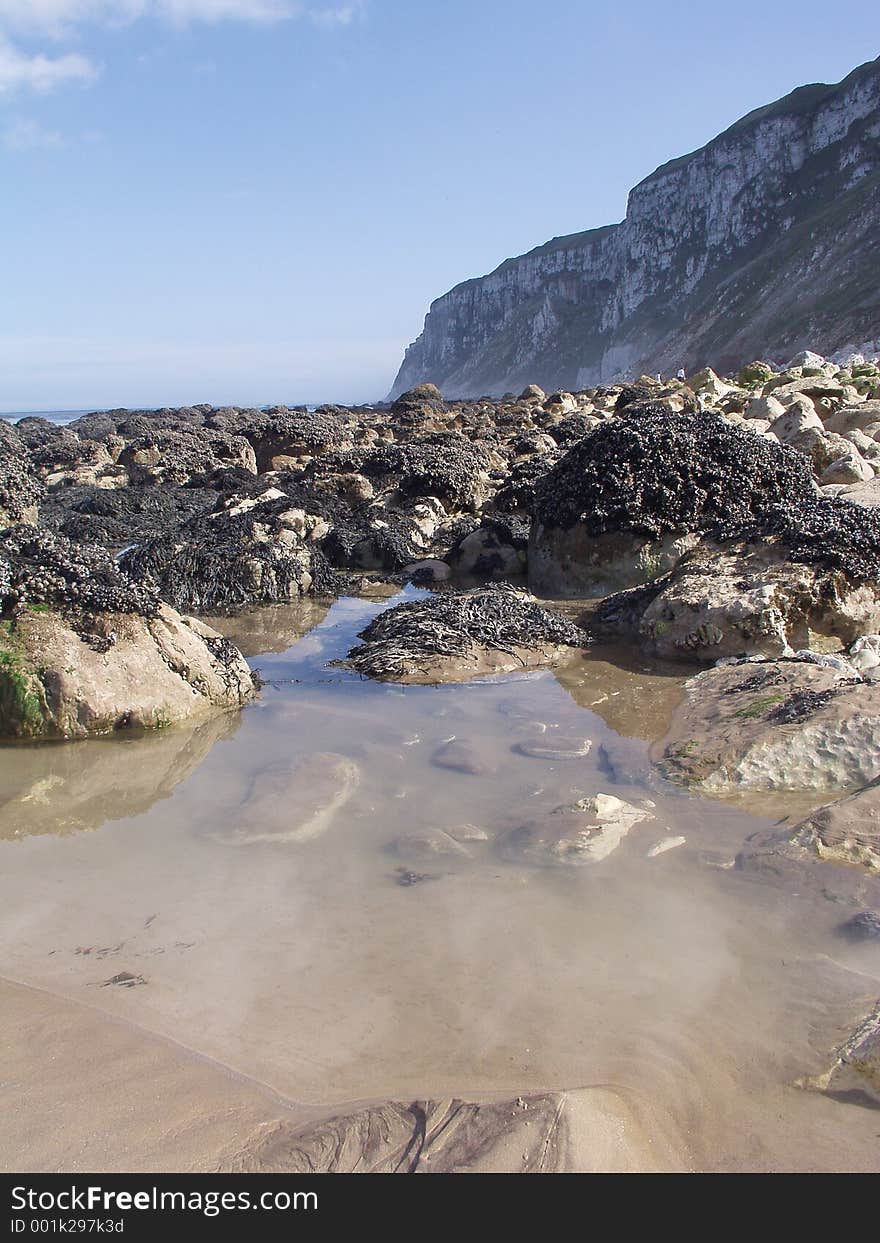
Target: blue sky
{"type": "Point", "coordinates": [253, 201]}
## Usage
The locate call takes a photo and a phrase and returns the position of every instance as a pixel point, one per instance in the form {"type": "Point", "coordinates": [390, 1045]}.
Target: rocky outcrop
{"type": "Point", "coordinates": [572, 836]}
{"type": "Point", "coordinates": [628, 500]}
{"type": "Point", "coordinates": [758, 244]}
{"type": "Point", "coordinates": [751, 599]}
{"type": "Point", "coordinates": [84, 650]}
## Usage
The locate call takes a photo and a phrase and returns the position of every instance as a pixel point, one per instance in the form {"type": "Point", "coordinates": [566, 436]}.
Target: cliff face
{"type": "Point", "coordinates": [764, 242]}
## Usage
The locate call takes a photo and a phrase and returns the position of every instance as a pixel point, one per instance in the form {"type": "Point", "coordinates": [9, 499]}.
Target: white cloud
{"type": "Point", "coordinates": [23, 134]}
{"type": "Point", "coordinates": [62, 19]}
{"type": "Point", "coordinates": [38, 72]}
{"type": "Point", "coordinates": [337, 15]}
{"type": "Point", "coordinates": [56, 18]}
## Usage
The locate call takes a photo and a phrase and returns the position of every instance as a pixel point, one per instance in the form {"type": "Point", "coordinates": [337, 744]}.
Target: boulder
{"type": "Point", "coordinates": [790, 724]}
{"type": "Point", "coordinates": [851, 468]}
{"type": "Point", "coordinates": [629, 500]}
{"type": "Point", "coordinates": [86, 650]}
{"type": "Point", "coordinates": [751, 599]}
{"type": "Point", "coordinates": [130, 671]}
{"type": "Point", "coordinates": [260, 550]}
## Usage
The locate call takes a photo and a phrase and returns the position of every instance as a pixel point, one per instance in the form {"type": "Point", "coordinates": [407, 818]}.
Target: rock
{"type": "Point", "coordinates": [789, 724]}
{"type": "Point", "coordinates": [429, 570]}
{"type": "Point", "coordinates": [586, 832]}
{"type": "Point", "coordinates": [497, 549]}
{"type": "Point", "coordinates": [588, 1130]}
{"type": "Point", "coordinates": [255, 551]}
{"type": "Point", "coordinates": [767, 409]}
{"type": "Point", "coordinates": [861, 415]}
{"type": "Point", "coordinates": [667, 843]}
{"type": "Point", "coordinates": [797, 418]}
{"type": "Point", "coordinates": [707, 383]}
{"type": "Point", "coordinates": [864, 655]}
{"type": "Point", "coordinates": [532, 392]}
{"type": "Point", "coordinates": [294, 801]}
{"type": "Point", "coordinates": [855, 1071]}
{"type": "Point", "coordinates": [847, 830]}
{"type": "Point", "coordinates": [461, 634]}
{"type": "Point", "coordinates": [738, 600]}
{"type": "Point", "coordinates": [865, 494]}
{"type": "Point", "coordinates": [428, 844]}
{"type": "Point", "coordinates": [552, 747]}
{"type": "Point", "coordinates": [628, 501]}
{"type": "Point", "coordinates": [850, 469]}
{"type": "Point", "coordinates": [806, 358]}
{"type": "Point", "coordinates": [865, 926]}
{"type": "Point", "coordinates": [464, 755]}
{"type": "Point", "coordinates": [129, 672]}
{"type": "Point", "coordinates": [754, 375]}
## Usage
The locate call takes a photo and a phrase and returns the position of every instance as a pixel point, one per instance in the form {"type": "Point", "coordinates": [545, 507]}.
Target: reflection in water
{"type": "Point", "coordinates": [699, 990]}
{"type": "Point", "coordinates": [272, 627]}
{"type": "Point", "coordinates": [634, 698]}
{"type": "Point", "coordinates": [67, 787]}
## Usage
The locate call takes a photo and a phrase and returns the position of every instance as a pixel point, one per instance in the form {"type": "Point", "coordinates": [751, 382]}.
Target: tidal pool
{"type": "Point", "coordinates": [216, 927]}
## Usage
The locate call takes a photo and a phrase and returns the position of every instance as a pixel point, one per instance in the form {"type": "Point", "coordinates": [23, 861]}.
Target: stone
{"type": "Point", "coordinates": [463, 755]}
{"type": "Point", "coordinates": [791, 724]}
{"type": "Point", "coordinates": [667, 843]}
{"type": "Point", "coordinates": [550, 746]}
{"type": "Point", "coordinates": [846, 831]}
{"type": "Point", "coordinates": [738, 600]}
{"type": "Point", "coordinates": [572, 836]}
{"type": "Point", "coordinates": [129, 672]}
{"type": "Point", "coordinates": [293, 801]}
{"type": "Point", "coordinates": [854, 1073]}
{"type": "Point", "coordinates": [427, 844]}
{"type": "Point", "coordinates": [850, 469]}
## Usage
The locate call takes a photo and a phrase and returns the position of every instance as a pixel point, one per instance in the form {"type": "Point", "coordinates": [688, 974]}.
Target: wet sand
{"type": "Point", "coordinates": [688, 995]}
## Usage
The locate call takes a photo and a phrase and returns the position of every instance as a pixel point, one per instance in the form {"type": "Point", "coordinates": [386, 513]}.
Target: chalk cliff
{"type": "Point", "coordinates": [764, 242]}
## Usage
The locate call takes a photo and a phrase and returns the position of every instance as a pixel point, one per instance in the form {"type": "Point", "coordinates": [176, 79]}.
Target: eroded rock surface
{"type": "Point", "coordinates": [789, 724]}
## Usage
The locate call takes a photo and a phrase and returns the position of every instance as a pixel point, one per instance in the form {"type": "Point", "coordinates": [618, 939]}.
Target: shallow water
{"type": "Point", "coordinates": [699, 991]}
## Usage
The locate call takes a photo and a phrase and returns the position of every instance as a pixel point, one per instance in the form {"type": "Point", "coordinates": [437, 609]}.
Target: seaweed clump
{"type": "Point", "coordinates": [458, 624]}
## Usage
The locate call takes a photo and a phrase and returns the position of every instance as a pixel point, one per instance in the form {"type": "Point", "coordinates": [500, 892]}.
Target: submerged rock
{"type": "Point", "coordinates": [462, 633]}
{"type": "Point", "coordinates": [847, 830]}
{"type": "Point", "coordinates": [591, 1129]}
{"type": "Point", "coordinates": [854, 1074]}
{"type": "Point", "coordinates": [585, 832]}
{"type": "Point", "coordinates": [294, 801]}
